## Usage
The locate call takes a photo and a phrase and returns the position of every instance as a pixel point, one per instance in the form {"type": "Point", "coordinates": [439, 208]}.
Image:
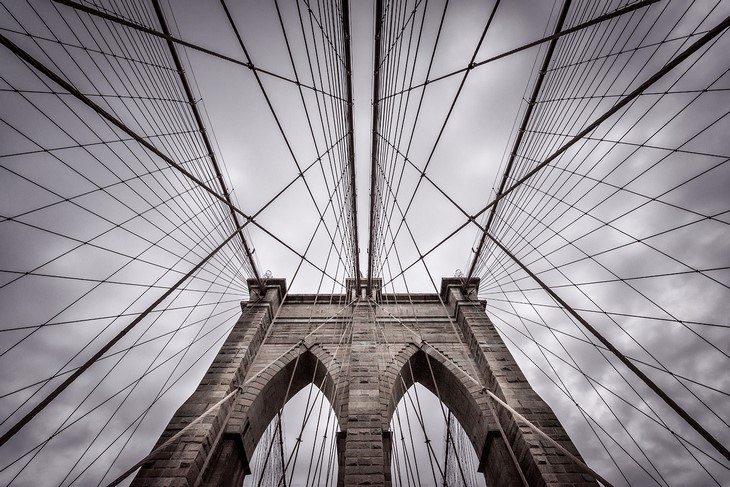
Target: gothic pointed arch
{"type": "Point", "coordinates": [462, 396]}
{"type": "Point", "coordinates": [267, 393]}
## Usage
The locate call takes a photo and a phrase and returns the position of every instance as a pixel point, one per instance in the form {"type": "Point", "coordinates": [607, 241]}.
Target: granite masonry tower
{"type": "Point", "coordinates": [281, 343]}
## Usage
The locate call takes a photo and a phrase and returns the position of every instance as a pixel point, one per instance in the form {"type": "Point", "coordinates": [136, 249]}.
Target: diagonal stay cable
{"type": "Point", "coordinates": [143, 342]}
{"type": "Point", "coordinates": [573, 157]}
{"type": "Point", "coordinates": [25, 56]}
{"type": "Point", "coordinates": [67, 421]}
{"type": "Point", "coordinates": [584, 340]}
{"type": "Point", "coordinates": [348, 134]}
{"type": "Point", "coordinates": [630, 365]}
{"type": "Point", "coordinates": [557, 35]}
{"type": "Point", "coordinates": [521, 132]}
{"type": "Point", "coordinates": [711, 34]}
{"type": "Point", "coordinates": [71, 89]}
{"type": "Point", "coordinates": [158, 356]}
{"type": "Point", "coordinates": [277, 121]}
{"type": "Point", "coordinates": [422, 174]}
{"type": "Point", "coordinates": [89, 362]}
{"type": "Point", "coordinates": [204, 135]}
{"type": "Point", "coordinates": [175, 40]}
{"type": "Point", "coordinates": [121, 389]}
{"type": "Point", "coordinates": [595, 385]}
{"type": "Point", "coordinates": [133, 258]}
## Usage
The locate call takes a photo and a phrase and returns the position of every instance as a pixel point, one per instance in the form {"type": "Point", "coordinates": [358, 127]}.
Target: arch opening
{"type": "Point", "coordinates": [430, 446]}
{"type": "Point", "coordinates": [290, 427]}
{"type": "Point", "coordinates": [301, 441]}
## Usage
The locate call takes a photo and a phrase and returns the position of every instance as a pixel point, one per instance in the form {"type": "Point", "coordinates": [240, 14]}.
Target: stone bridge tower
{"type": "Point", "coordinates": [281, 343]}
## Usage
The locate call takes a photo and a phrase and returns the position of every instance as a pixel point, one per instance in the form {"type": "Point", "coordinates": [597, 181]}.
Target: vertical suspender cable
{"type": "Point", "coordinates": [518, 140]}
{"type": "Point", "coordinates": [374, 155]}
{"type": "Point", "coordinates": [351, 139]}
{"type": "Point", "coordinates": [204, 135]}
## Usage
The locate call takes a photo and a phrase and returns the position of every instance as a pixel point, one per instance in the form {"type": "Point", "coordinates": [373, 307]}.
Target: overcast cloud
{"type": "Point", "coordinates": [630, 225]}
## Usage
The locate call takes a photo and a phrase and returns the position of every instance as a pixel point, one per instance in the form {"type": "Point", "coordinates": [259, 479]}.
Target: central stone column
{"type": "Point", "coordinates": [364, 455]}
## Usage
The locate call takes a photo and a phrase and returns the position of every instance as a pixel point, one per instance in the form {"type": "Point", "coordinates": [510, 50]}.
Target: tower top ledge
{"type": "Point", "coordinates": [467, 290]}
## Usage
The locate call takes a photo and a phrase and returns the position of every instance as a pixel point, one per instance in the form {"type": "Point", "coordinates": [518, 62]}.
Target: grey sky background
{"type": "Point", "coordinates": [629, 226]}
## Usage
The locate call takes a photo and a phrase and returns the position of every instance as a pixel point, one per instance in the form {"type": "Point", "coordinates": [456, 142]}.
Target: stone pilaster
{"type": "Point", "coordinates": [542, 464]}
{"type": "Point", "coordinates": [195, 457]}
{"type": "Point", "coordinates": [364, 453]}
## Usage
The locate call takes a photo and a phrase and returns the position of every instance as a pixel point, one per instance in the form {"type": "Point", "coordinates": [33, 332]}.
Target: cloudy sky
{"type": "Point", "coordinates": [628, 225]}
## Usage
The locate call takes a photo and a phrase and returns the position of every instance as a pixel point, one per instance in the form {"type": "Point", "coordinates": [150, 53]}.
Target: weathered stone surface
{"type": "Point", "coordinates": [363, 356]}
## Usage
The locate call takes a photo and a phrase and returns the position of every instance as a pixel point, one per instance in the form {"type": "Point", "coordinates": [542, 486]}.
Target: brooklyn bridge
{"type": "Point", "coordinates": [373, 242]}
